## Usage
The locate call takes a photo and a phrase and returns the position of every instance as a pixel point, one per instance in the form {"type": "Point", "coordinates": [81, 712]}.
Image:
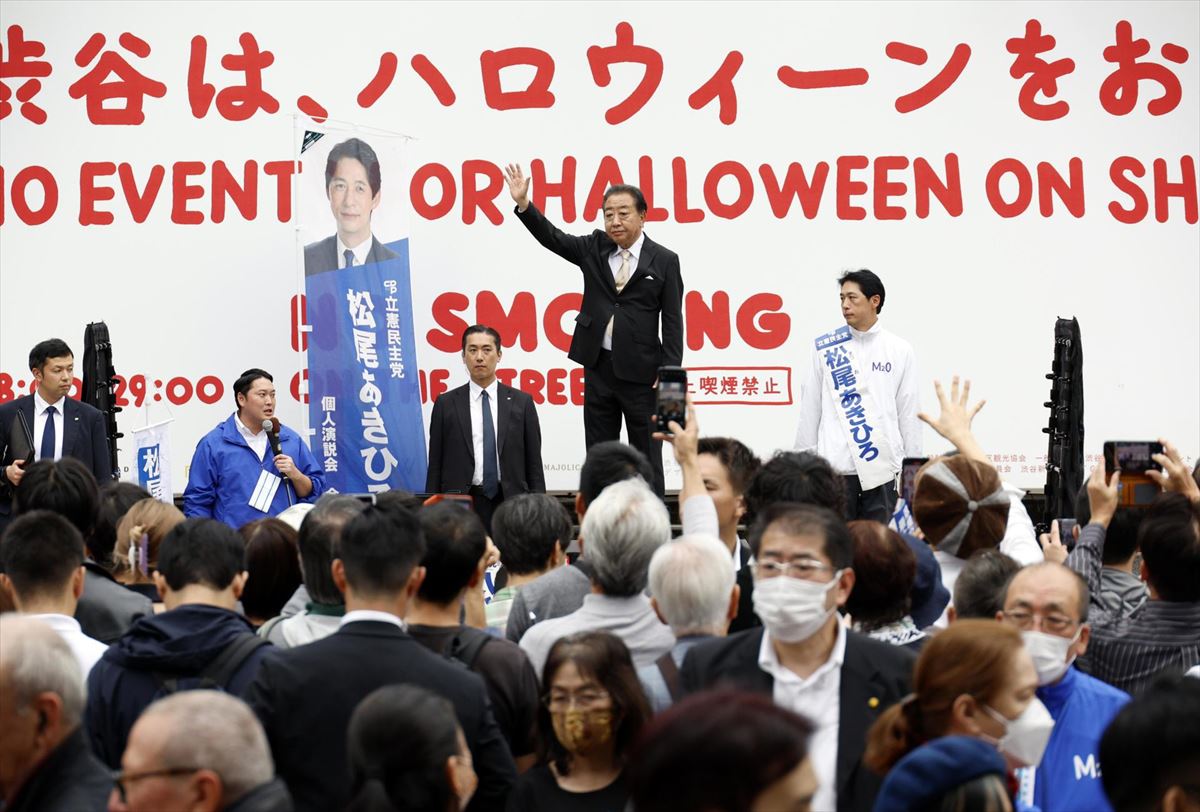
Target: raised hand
{"type": "Point", "coordinates": [518, 185]}
{"type": "Point", "coordinates": [1174, 475]}
{"type": "Point", "coordinates": [954, 418]}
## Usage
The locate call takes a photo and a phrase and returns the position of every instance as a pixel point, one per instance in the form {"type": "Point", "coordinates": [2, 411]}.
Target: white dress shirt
{"type": "Point", "coordinates": [614, 262]}
{"type": "Point", "coordinates": [360, 253]}
{"type": "Point", "coordinates": [477, 391]}
{"type": "Point", "coordinates": [372, 614]}
{"type": "Point", "coordinates": [819, 699]}
{"type": "Point", "coordinates": [257, 442]}
{"type": "Point", "coordinates": [39, 424]}
{"type": "Point", "coordinates": [87, 650]}
{"type": "Point", "coordinates": [888, 365]}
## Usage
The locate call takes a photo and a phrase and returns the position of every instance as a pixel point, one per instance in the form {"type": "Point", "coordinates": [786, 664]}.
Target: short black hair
{"type": "Point", "coordinates": [201, 551]}
{"type": "Point", "coordinates": [45, 350]}
{"type": "Point", "coordinates": [399, 496]}
{"type": "Point", "coordinates": [242, 385]}
{"type": "Point", "coordinates": [797, 519]}
{"type": "Point", "coordinates": [65, 486]}
{"type": "Point", "coordinates": [116, 498]}
{"type": "Point", "coordinates": [482, 328]}
{"type": "Point", "coordinates": [739, 461]}
{"type": "Point", "coordinates": [639, 199]}
{"type": "Point", "coordinates": [868, 283]}
{"type": "Point", "coordinates": [39, 553]}
{"type": "Point", "coordinates": [454, 542]}
{"type": "Point", "coordinates": [319, 534]}
{"type": "Point", "coordinates": [1120, 540]}
{"type": "Point", "coordinates": [360, 151]}
{"type": "Point", "coordinates": [1152, 745]}
{"type": "Point", "coordinates": [526, 528]}
{"type": "Point", "coordinates": [1170, 542]}
{"type": "Point", "coordinates": [609, 462]}
{"type": "Point", "coordinates": [379, 549]}
{"type": "Point", "coordinates": [796, 476]}
{"type": "Point", "coordinates": [980, 587]}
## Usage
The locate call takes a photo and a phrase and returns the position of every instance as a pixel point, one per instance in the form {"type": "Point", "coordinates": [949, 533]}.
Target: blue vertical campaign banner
{"type": "Point", "coordinates": [365, 423]}
{"type": "Point", "coordinates": [152, 458]}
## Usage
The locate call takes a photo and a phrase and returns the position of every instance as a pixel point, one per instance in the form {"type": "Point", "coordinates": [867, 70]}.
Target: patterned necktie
{"type": "Point", "coordinates": [621, 280]}
{"type": "Point", "coordinates": [349, 255]}
{"type": "Point", "coordinates": [48, 435]}
{"type": "Point", "coordinates": [491, 475]}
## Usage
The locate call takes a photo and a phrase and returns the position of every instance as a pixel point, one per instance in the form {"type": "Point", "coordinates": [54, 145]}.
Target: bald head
{"type": "Point", "coordinates": [1048, 588]}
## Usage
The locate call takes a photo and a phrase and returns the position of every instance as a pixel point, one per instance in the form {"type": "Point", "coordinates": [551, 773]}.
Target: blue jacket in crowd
{"type": "Point", "coordinates": [1068, 779]}
{"type": "Point", "coordinates": [225, 471]}
{"type": "Point", "coordinates": [178, 643]}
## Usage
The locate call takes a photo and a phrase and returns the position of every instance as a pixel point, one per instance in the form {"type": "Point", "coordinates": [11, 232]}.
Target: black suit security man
{"type": "Point", "coordinates": [49, 425]}
{"type": "Point", "coordinates": [630, 282]}
{"type": "Point", "coordinates": [491, 453]}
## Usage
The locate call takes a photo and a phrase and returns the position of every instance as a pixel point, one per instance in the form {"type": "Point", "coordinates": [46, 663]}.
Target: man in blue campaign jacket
{"type": "Point", "coordinates": [233, 479]}
{"type": "Point", "coordinates": [1048, 602]}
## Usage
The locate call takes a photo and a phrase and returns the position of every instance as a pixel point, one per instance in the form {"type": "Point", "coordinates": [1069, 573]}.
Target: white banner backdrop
{"type": "Point", "coordinates": [147, 181]}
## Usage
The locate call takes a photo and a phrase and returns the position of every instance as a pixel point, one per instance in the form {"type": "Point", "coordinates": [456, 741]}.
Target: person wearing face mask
{"type": "Point", "coordinates": [974, 679]}
{"type": "Point", "coordinates": [592, 711]}
{"type": "Point", "coordinates": [1048, 603]}
{"type": "Point", "coordinates": [803, 656]}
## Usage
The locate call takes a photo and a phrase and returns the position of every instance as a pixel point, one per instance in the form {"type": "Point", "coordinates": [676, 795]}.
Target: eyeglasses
{"type": "Point", "coordinates": [1052, 624]}
{"type": "Point", "coordinates": [805, 568]}
{"type": "Point", "coordinates": [122, 778]}
{"type": "Point", "coordinates": [583, 700]}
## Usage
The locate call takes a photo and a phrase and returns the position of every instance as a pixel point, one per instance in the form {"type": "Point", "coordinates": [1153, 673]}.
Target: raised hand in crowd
{"type": "Point", "coordinates": [1174, 475]}
{"type": "Point", "coordinates": [1103, 493]}
{"type": "Point", "coordinates": [954, 418]}
{"type": "Point", "coordinates": [1052, 546]}
{"type": "Point", "coordinates": [685, 442]}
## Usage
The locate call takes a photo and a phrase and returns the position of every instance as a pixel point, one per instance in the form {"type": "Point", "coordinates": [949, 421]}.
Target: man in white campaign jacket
{"type": "Point", "coordinates": [859, 401]}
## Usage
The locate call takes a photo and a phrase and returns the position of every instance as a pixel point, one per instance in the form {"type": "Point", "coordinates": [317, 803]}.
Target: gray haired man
{"type": "Point", "coordinates": [694, 591]}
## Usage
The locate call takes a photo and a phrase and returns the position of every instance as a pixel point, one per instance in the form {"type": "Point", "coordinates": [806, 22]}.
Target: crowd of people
{"type": "Point", "coordinates": [772, 655]}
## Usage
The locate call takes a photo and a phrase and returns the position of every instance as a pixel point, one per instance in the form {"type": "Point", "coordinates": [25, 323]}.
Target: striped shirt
{"type": "Point", "coordinates": [1129, 650]}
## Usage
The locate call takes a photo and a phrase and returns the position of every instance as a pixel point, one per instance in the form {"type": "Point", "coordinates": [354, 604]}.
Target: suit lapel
{"type": "Point", "coordinates": [747, 657]}
{"type": "Point", "coordinates": [26, 407]}
{"type": "Point", "coordinates": [462, 405]}
{"type": "Point", "coordinates": [862, 698]}
{"type": "Point", "coordinates": [70, 411]}
{"type": "Point", "coordinates": [645, 262]}
{"type": "Point", "coordinates": [503, 410]}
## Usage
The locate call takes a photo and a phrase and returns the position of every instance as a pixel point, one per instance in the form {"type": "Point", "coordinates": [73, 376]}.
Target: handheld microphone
{"type": "Point", "coordinates": [271, 427]}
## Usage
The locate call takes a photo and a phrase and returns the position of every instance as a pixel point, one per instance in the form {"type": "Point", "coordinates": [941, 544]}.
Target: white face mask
{"type": "Point", "coordinates": [792, 609]}
{"type": "Point", "coordinates": [1025, 737]}
{"type": "Point", "coordinates": [1049, 652]}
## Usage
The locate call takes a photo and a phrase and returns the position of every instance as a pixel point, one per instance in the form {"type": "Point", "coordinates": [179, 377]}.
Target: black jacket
{"type": "Point", "coordinates": [874, 676]}
{"type": "Point", "coordinates": [178, 643]}
{"type": "Point", "coordinates": [71, 779]}
{"type": "Point", "coordinates": [304, 697]}
{"type": "Point", "coordinates": [84, 438]}
{"type": "Point", "coordinates": [518, 442]}
{"type": "Point", "coordinates": [654, 289]}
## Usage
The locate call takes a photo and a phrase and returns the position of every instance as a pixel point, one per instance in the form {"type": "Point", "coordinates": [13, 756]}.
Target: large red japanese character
{"type": "Point", "coordinates": [17, 62]}
{"type": "Point", "coordinates": [537, 95]}
{"type": "Point", "coordinates": [1043, 75]}
{"type": "Point", "coordinates": [129, 85]}
{"type": "Point", "coordinates": [237, 102]}
{"type": "Point", "coordinates": [1119, 93]}
{"type": "Point", "coordinates": [818, 79]}
{"type": "Point", "coordinates": [434, 78]}
{"type": "Point", "coordinates": [600, 58]}
{"type": "Point", "coordinates": [936, 86]}
{"type": "Point", "coordinates": [381, 81]}
{"type": "Point", "coordinates": [720, 87]}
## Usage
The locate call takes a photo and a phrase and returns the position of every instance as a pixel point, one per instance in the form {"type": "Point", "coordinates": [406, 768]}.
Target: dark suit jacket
{"type": "Point", "coordinates": [322, 255]}
{"type": "Point", "coordinates": [655, 288]}
{"type": "Point", "coordinates": [874, 676]}
{"type": "Point", "coordinates": [746, 619]}
{"type": "Point", "coordinates": [518, 442]}
{"type": "Point", "coordinates": [304, 697]}
{"type": "Point", "coordinates": [84, 438]}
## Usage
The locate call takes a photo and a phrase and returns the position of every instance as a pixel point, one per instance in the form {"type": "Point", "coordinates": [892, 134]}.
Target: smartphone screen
{"type": "Point", "coordinates": [1134, 459]}
{"type": "Point", "coordinates": [908, 477]}
{"type": "Point", "coordinates": [672, 397]}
